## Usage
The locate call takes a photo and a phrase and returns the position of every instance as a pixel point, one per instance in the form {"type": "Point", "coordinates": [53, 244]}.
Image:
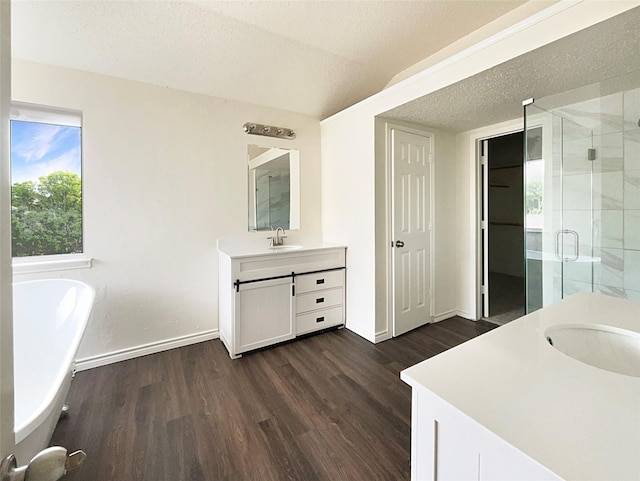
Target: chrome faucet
{"type": "Point", "coordinates": [278, 240]}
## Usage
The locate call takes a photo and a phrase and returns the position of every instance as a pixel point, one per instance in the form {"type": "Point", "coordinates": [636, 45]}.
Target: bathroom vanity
{"type": "Point", "coordinates": [269, 295]}
{"type": "Point", "coordinates": [511, 404]}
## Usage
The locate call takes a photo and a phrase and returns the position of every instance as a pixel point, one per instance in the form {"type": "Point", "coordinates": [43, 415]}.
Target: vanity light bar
{"type": "Point", "coordinates": [269, 131]}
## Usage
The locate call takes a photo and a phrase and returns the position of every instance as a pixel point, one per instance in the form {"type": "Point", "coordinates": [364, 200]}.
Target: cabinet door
{"type": "Point", "coordinates": [263, 314]}
{"type": "Point", "coordinates": [443, 448]}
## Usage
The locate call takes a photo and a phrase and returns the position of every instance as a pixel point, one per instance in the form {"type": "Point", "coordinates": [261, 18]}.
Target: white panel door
{"type": "Point", "coordinates": [411, 167]}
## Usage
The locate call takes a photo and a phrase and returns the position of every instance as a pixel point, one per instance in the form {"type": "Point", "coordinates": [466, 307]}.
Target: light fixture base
{"type": "Point", "coordinates": [269, 131]}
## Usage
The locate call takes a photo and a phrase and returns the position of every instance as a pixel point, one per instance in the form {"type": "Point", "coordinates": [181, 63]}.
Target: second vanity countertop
{"type": "Point", "coordinates": [579, 421]}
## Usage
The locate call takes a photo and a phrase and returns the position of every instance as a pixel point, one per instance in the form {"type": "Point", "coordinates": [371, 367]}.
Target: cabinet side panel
{"type": "Point", "coordinates": [225, 300]}
{"type": "Point", "coordinates": [500, 461]}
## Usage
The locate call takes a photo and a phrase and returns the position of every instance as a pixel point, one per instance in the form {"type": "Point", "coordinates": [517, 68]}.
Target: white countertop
{"type": "Point", "coordinates": [579, 421]}
{"type": "Point", "coordinates": [258, 245]}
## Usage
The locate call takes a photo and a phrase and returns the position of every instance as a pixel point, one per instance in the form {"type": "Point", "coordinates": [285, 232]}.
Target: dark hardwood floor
{"type": "Point", "coordinates": [327, 407]}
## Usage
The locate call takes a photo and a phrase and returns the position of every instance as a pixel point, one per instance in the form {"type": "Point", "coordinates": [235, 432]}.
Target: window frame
{"type": "Point", "coordinates": [43, 114]}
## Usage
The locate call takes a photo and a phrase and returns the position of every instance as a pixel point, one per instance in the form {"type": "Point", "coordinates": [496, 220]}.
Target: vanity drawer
{"type": "Point", "coordinates": [312, 301]}
{"type": "Point", "coordinates": [319, 280]}
{"type": "Point", "coordinates": [315, 321]}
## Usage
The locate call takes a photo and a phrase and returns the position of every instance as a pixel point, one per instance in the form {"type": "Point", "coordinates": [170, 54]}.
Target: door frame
{"type": "Point", "coordinates": [476, 140]}
{"type": "Point", "coordinates": [7, 440]}
{"type": "Point", "coordinates": [388, 231]}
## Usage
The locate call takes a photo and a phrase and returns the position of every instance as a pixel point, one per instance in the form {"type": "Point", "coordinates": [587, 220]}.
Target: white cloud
{"type": "Point", "coordinates": [36, 147]}
{"type": "Point", "coordinates": [69, 161]}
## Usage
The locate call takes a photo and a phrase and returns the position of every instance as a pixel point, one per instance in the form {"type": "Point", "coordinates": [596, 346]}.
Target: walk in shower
{"type": "Point", "coordinates": [582, 192]}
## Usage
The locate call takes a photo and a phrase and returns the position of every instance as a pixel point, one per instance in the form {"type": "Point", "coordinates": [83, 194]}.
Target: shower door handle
{"type": "Point", "coordinates": [576, 254]}
{"type": "Point", "coordinates": [576, 251]}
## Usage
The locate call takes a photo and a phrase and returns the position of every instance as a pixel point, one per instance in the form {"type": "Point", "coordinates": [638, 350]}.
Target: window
{"type": "Point", "coordinates": [46, 178]}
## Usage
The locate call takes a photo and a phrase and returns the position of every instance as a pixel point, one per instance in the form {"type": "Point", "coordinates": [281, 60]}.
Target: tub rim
{"type": "Point", "coordinates": [46, 406]}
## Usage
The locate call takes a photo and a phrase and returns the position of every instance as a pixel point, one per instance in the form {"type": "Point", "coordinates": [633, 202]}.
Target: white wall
{"type": "Point", "coordinates": [446, 232]}
{"type": "Point", "coordinates": [348, 214]}
{"type": "Point", "coordinates": [349, 168]}
{"type": "Point", "coordinates": [165, 175]}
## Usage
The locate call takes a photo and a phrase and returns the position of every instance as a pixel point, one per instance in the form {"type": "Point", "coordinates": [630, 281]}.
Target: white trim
{"type": "Point", "coordinates": [482, 148]}
{"type": "Point", "coordinates": [144, 350]}
{"type": "Point", "coordinates": [360, 332]}
{"type": "Point", "coordinates": [465, 315]}
{"type": "Point", "coordinates": [445, 315]}
{"type": "Point", "coordinates": [382, 336]}
{"type": "Point", "coordinates": [475, 137]}
{"type": "Point", "coordinates": [493, 39]}
{"type": "Point", "coordinates": [33, 265]}
{"type": "Point", "coordinates": [44, 114]}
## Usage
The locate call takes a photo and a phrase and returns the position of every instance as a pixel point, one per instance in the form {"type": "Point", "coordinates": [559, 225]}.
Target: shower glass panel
{"type": "Point", "coordinates": [559, 207]}
{"type": "Point", "coordinates": [582, 201]}
{"type": "Point", "coordinates": [574, 246]}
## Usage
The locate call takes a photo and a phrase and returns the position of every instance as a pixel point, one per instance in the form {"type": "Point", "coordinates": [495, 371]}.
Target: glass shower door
{"type": "Point", "coordinates": [574, 244]}
{"type": "Point", "coordinates": [558, 208]}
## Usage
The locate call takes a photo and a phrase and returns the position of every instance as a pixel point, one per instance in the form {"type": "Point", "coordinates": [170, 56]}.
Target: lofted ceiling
{"type": "Point", "coordinates": [307, 56]}
{"type": "Point", "coordinates": [601, 52]}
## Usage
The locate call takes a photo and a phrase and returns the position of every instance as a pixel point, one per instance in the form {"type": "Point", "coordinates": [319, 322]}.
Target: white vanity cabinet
{"type": "Point", "coordinates": [508, 405]}
{"type": "Point", "coordinates": [448, 445]}
{"type": "Point", "coordinates": [271, 296]}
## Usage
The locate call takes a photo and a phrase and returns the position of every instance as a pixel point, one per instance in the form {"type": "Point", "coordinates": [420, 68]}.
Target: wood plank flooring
{"type": "Point", "coordinates": [326, 407]}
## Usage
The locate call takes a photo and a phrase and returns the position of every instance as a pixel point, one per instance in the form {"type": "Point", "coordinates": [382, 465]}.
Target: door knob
{"type": "Point", "coordinates": [399, 243]}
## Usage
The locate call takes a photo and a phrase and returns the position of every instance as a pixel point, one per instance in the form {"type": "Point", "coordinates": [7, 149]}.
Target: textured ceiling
{"type": "Point", "coordinates": [605, 50]}
{"type": "Point", "coordinates": [307, 56]}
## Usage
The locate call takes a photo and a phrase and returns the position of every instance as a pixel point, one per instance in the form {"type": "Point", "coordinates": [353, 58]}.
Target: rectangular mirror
{"type": "Point", "coordinates": [274, 188]}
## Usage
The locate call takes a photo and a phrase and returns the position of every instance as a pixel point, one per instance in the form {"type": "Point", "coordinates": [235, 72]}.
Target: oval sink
{"type": "Point", "coordinates": [289, 247]}
{"type": "Point", "coordinates": [609, 348]}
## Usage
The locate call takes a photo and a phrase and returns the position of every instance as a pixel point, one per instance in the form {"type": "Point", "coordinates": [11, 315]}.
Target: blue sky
{"type": "Point", "coordinates": [39, 149]}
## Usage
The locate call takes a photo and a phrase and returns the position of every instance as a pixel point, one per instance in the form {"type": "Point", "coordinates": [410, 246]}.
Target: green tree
{"type": "Point", "coordinates": [534, 197]}
{"type": "Point", "coordinates": [47, 215]}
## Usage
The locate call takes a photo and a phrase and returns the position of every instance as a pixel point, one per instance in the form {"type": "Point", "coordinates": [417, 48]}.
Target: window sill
{"type": "Point", "coordinates": [32, 265]}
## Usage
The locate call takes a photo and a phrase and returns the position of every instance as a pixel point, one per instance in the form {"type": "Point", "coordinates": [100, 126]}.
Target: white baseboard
{"type": "Point", "coordinates": [360, 332]}
{"type": "Point", "coordinates": [445, 315]}
{"type": "Point", "coordinates": [145, 349]}
{"type": "Point", "coordinates": [382, 336]}
{"type": "Point", "coordinates": [466, 315]}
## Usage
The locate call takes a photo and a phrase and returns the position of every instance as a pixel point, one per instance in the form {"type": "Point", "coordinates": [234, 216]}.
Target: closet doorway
{"type": "Point", "coordinates": [503, 289]}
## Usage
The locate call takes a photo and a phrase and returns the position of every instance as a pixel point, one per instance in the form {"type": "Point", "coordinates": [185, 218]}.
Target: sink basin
{"type": "Point", "coordinates": [289, 247]}
{"type": "Point", "coordinates": [604, 347]}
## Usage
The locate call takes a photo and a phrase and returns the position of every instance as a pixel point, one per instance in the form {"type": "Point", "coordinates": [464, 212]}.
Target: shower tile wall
{"type": "Point", "coordinates": [273, 199]}
{"type": "Point", "coordinates": [613, 121]}
{"type": "Point", "coordinates": [631, 146]}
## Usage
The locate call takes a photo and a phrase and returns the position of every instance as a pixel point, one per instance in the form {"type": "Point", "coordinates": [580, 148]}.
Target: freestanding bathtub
{"type": "Point", "coordinates": [49, 319]}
